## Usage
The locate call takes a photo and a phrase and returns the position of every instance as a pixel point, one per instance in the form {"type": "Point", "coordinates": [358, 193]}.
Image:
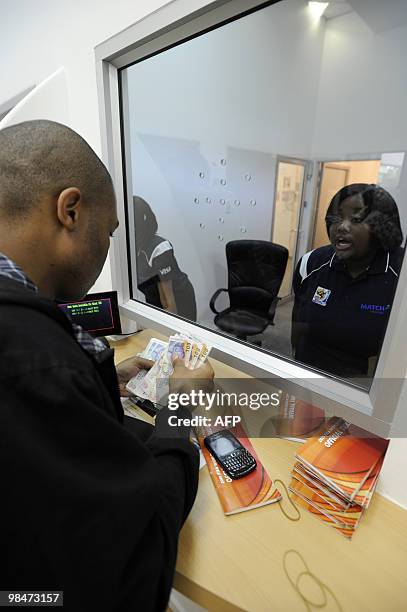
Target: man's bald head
{"type": "Point", "coordinates": [42, 158]}
{"type": "Point", "coordinates": [57, 207]}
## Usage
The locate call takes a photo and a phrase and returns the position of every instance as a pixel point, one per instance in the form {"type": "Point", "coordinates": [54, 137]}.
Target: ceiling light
{"type": "Point", "coordinates": [317, 9]}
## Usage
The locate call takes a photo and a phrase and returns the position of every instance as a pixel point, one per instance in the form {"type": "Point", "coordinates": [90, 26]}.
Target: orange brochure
{"type": "Point", "coordinates": [311, 507]}
{"type": "Point", "coordinates": [348, 517]}
{"type": "Point", "coordinates": [322, 496]}
{"type": "Point", "coordinates": [309, 477]}
{"type": "Point", "coordinates": [365, 493]}
{"type": "Point", "coordinates": [343, 456]}
{"type": "Point", "coordinates": [252, 491]}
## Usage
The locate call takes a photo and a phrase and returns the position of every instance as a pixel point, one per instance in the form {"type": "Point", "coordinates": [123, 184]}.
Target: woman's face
{"type": "Point", "coordinates": [349, 235]}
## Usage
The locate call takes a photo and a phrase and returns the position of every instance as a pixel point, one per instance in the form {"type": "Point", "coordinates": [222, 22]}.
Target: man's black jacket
{"type": "Point", "coordinates": [86, 506]}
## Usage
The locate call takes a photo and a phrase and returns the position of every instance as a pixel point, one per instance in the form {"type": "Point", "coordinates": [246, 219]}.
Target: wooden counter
{"type": "Point", "coordinates": [237, 562]}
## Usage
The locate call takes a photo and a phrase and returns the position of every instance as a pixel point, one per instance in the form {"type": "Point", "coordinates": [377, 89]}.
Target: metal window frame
{"type": "Point", "coordinates": [172, 24]}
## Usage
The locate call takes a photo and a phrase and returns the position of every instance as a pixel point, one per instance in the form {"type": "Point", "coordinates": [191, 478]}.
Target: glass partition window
{"type": "Point", "coordinates": [266, 181]}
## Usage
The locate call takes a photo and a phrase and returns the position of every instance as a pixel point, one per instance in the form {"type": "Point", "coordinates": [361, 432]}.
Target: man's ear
{"type": "Point", "coordinates": [69, 206]}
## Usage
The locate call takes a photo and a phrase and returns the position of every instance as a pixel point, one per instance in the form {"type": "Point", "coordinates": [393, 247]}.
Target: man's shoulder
{"type": "Point", "coordinates": [30, 337]}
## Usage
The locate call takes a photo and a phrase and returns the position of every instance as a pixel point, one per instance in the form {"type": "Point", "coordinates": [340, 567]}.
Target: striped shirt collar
{"type": "Point", "coordinates": [10, 270]}
{"type": "Point", "coordinates": [379, 265]}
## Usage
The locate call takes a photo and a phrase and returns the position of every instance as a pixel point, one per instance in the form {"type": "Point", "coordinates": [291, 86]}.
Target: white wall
{"type": "Point", "coordinates": [257, 97]}
{"type": "Point", "coordinates": [223, 100]}
{"type": "Point", "coordinates": [52, 94]}
{"type": "Point", "coordinates": [39, 37]}
{"type": "Point", "coordinates": [393, 478]}
{"type": "Point", "coordinates": [362, 96]}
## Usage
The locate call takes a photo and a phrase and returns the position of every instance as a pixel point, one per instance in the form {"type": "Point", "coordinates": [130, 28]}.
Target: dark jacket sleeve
{"type": "Point", "coordinates": [90, 509]}
{"type": "Point", "coordinates": [175, 440]}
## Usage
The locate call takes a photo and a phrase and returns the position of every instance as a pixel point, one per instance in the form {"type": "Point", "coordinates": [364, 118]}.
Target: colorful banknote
{"type": "Point", "coordinates": [153, 384]}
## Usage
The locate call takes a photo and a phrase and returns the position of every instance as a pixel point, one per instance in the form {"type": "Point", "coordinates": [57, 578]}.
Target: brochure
{"type": "Point", "coordinates": [343, 456]}
{"type": "Point", "coordinates": [336, 473]}
{"type": "Point", "coordinates": [252, 491]}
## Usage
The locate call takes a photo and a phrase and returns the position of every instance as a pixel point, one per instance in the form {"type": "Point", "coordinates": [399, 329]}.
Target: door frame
{"type": "Point", "coordinates": [322, 165]}
{"type": "Point", "coordinates": [299, 162]}
{"type": "Point", "coordinates": [357, 157]}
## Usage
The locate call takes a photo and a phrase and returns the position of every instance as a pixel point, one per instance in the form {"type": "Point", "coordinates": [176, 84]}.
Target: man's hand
{"type": "Point", "coordinates": [184, 380]}
{"type": "Point", "coordinates": [128, 368]}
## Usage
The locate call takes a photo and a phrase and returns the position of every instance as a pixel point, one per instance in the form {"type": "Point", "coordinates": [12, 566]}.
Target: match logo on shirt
{"type": "Point", "coordinates": [321, 296]}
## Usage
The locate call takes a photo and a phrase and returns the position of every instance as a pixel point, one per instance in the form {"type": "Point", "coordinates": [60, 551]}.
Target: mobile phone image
{"type": "Point", "coordinates": [231, 455]}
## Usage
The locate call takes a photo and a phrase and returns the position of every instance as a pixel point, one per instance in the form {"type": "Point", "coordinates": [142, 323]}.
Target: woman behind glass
{"type": "Point", "coordinates": [344, 291]}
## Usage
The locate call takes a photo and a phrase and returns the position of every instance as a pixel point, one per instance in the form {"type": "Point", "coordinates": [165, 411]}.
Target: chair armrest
{"type": "Point", "coordinates": [213, 300]}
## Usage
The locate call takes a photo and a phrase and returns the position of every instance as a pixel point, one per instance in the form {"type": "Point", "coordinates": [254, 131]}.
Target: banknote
{"type": "Point", "coordinates": [187, 351]}
{"type": "Point", "coordinates": [176, 346]}
{"type": "Point", "coordinates": [196, 351]}
{"type": "Point", "coordinates": [154, 349]}
{"type": "Point", "coordinates": [153, 384]}
{"type": "Point", "coordinates": [147, 386]}
{"type": "Point", "coordinates": [134, 383]}
{"type": "Point", "coordinates": [206, 349]}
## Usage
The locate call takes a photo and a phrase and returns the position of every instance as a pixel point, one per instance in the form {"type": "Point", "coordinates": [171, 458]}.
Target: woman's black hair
{"type": "Point", "coordinates": [381, 213]}
{"type": "Point", "coordinates": [145, 221]}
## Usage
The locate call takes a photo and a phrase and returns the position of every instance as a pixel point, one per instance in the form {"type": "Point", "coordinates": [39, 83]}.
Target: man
{"type": "Point", "coordinates": [88, 507]}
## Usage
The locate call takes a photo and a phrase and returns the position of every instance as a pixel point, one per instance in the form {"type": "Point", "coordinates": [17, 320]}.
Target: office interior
{"type": "Point", "coordinates": [245, 133]}
{"type": "Point", "coordinates": [271, 178]}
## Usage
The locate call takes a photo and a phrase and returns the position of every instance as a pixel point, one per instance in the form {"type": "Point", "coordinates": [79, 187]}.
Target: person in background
{"type": "Point", "coordinates": [158, 274]}
{"type": "Point", "coordinates": [344, 291]}
{"type": "Point", "coordinates": [90, 506]}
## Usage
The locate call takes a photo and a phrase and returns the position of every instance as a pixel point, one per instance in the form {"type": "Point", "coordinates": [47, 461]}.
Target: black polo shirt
{"type": "Point", "coordinates": [157, 263]}
{"type": "Point", "coordinates": [340, 321]}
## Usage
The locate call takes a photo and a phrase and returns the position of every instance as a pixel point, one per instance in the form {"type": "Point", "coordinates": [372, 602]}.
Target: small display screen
{"type": "Point", "coordinates": [97, 313]}
{"type": "Point", "coordinates": [224, 445]}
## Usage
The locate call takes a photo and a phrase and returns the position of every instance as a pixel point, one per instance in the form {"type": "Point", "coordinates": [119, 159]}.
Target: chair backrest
{"type": "Point", "coordinates": [255, 272]}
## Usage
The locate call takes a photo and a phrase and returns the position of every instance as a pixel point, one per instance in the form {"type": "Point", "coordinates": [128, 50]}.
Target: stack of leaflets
{"type": "Point", "coordinates": [336, 473]}
{"type": "Point", "coordinates": [153, 384]}
{"type": "Point", "coordinates": [252, 491]}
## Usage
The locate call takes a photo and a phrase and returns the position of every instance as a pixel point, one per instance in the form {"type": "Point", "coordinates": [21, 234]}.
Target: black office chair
{"type": "Point", "coordinates": [255, 272]}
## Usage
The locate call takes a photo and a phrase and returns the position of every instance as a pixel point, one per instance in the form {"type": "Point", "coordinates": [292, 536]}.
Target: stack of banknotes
{"type": "Point", "coordinates": [153, 384]}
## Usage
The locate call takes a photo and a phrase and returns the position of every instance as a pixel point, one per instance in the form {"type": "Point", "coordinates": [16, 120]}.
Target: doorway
{"type": "Point", "coordinates": [335, 175]}
{"type": "Point", "coordinates": [288, 200]}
